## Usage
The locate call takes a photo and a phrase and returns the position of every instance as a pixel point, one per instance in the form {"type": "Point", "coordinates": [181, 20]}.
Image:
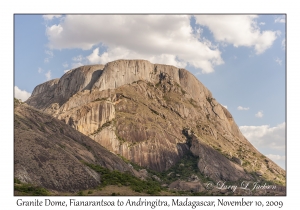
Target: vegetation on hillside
{"type": "Point", "coordinates": [126, 179]}
{"type": "Point", "coordinates": [21, 188]}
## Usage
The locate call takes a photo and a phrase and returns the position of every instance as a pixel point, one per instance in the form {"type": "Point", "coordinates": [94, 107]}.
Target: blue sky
{"type": "Point", "coordinates": [240, 59]}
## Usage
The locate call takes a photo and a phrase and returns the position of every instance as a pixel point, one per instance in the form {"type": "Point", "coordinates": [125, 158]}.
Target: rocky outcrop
{"type": "Point", "coordinates": [139, 110]}
{"type": "Point", "coordinates": [51, 154]}
{"type": "Point", "coordinates": [215, 165]}
{"type": "Point", "coordinates": [58, 91]}
{"type": "Point", "coordinates": [186, 186]}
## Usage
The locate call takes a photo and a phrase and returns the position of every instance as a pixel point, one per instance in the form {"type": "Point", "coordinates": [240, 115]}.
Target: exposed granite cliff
{"type": "Point", "coordinates": [50, 154]}
{"type": "Point", "coordinates": [140, 110]}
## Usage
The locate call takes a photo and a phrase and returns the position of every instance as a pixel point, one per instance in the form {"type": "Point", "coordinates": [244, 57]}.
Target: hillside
{"type": "Point", "coordinates": [51, 154]}
{"type": "Point", "coordinates": [154, 115]}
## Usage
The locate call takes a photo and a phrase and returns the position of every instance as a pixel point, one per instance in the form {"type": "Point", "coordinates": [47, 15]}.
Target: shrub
{"type": "Point", "coordinates": [117, 178]}
{"type": "Point", "coordinates": [102, 127]}
{"type": "Point", "coordinates": [29, 189]}
{"type": "Point", "coordinates": [17, 181]}
{"type": "Point", "coordinates": [61, 130]}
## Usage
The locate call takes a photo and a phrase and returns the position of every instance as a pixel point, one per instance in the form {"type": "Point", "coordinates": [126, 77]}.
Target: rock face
{"type": "Point", "coordinates": [50, 153]}
{"type": "Point", "coordinates": [215, 165]}
{"type": "Point", "coordinates": [186, 186]}
{"type": "Point", "coordinates": [57, 91]}
{"type": "Point", "coordinates": [141, 110]}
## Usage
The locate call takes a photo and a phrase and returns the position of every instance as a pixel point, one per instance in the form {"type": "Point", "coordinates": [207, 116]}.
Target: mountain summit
{"type": "Point", "coordinates": [154, 115]}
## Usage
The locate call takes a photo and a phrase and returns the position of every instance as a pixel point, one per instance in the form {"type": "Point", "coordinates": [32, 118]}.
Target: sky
{"type": "Point", "coordinates": [239, 58]}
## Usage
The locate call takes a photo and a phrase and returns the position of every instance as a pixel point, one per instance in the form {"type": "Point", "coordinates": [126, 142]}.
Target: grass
{"type": "Point", "coordinates": [17, 102]}
{"type": "Point", "coordinates": [185, 171]}
{"type": "Point", "coordinates": [246, 163]}
{"type": "Point", "coordinates": [209, 99]}
{"type": "Point", "coordinates": [182, 90]}
{"type": "Point", "coordinates": [80, 193]}
{"type": "Point", "coordinates": [100, 99]}
{"type": "Point", "coordinates": [121, 140]}
{"type": "Point", "coordinates": [134, 165]}
{"type": "Point", "coordinates": [125, 179]}
{"type": "Point", "coordinates": [62, 146]}
{"type": "Point", "coordinates": [102, 127]}
{"type": "Point", "coordinates": [193, 103]}
{"type": "Point", "coordinates": [218, 149]}
{"type": "Point", "coordinates": [17, 181]}
{"type": "Point", "coordinates": [186, 167]}
{"type": "Point", "coordinates": [29, 189]}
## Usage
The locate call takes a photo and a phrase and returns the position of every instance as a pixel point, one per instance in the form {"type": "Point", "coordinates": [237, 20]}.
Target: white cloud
{"type": "Point", "coordinates": [277, 60]}
{"type": "Point", "coordinates": [50, 53]}
{"type": "Point", "coordinates": [54, 31]}
{"type": "Point", "coordinates": [283, 44]}
{"type": "Point", "coordinates": [40, 70]}
{"type": "Point", "coordinates": [95, 58]}
{"type": "Point", "coordinates": [278, 33]}
{"type": "Point", "coordinates": [243, 108]}
{"type": "Point", "coordinates": [280, 19]}
{"type": "Point", "coordinates": [121, 53]}
{"type": "Point", "coordinates": [224, 106]}
{"type": "Point", "coordinates": [239, 30]}
{"type": "Point", "coordinates": [262, 23]}
{"type": "Point", "coordinates": [276, 157]}
{"type": "Point", "coordinates": [268, 140]}
{"type": "Point", "coordinates": [48, 75]}
{"type": "Point", "coordinates": [65, 65]}
{"type": "Point", "coordinates": [265, 136]}
{"type": "Point", "coordinates": [50, 17]}
{"type": "Point", "coordinates": [198, 31]}
{"type": "Point", "coordinates": [165, 39]}
{"type": "Point", "coordinates": [78, 64]}
{"type": "Point", "coordinates": [65, 71]}
{"type": "Point", "coordinates": [21, 94]}
{"type": "Point", "coordinates": [77, 58]}
{"type": "Point", "coordinates": [259, 114]}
